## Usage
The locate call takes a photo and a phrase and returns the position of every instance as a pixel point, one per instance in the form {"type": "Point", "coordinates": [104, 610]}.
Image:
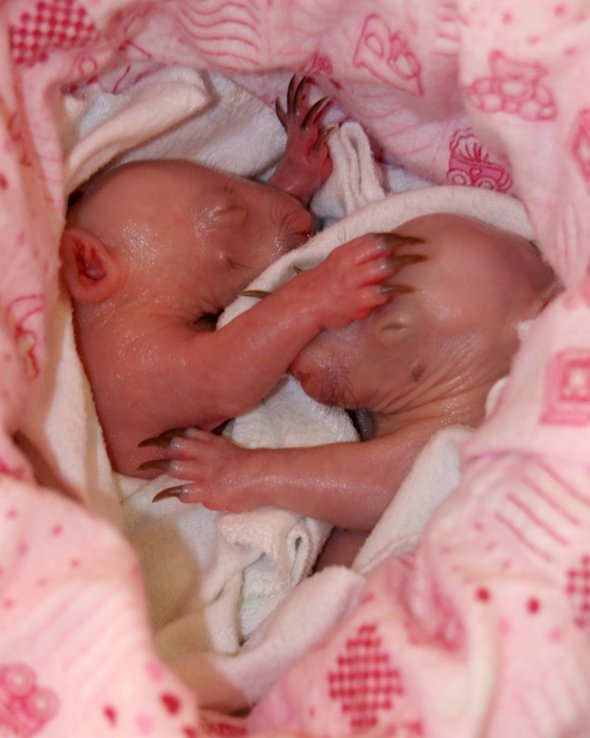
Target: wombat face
{"type": "Point", "coordinates": [457, 327]}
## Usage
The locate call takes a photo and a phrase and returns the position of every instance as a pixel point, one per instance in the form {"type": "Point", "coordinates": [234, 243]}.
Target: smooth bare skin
{"type": "Point", "coordinates": [153, 253]}
{"type": "Point", "coordinates": [423, 361]}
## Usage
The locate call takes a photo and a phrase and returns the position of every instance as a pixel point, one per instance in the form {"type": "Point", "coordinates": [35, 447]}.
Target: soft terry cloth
{"type": "Point", "coordinates": [479, 93]}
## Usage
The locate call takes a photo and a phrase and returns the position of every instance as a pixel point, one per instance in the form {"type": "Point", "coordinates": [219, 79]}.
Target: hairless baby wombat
{"type": "Point", "coordinates": [154, 251]}
{"type": "Point", "coordinates": [420, 362]}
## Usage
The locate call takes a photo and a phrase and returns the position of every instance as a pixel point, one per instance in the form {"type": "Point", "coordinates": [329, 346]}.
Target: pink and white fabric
{"type": "Point", "coordinates": [485, 629]}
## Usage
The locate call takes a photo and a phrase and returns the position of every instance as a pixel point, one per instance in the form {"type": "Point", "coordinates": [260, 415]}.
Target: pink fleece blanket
{"type": "Point", "coordinates": [485, 629]}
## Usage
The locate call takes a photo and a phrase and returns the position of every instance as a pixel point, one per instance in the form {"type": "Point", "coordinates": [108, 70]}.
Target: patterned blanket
{"type": "Point", "coordinates": [484, 629]}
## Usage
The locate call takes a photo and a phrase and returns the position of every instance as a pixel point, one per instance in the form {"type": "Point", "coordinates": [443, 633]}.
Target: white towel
{"type": "Point", "coordinates": [355, 179]}
{"type": "Point", "coordinates": [234, 131]}
{"type": "Point", "coordinates": [101, 125]}
{"type": "Point", "coordinates": [433, 476]}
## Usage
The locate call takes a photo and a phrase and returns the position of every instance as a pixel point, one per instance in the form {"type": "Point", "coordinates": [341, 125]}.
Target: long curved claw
{"type": "Point", "coordinates": [291, 90]}
{"type": "Point", "coordinates": [170, 492]}
{"type": "Point", "coordinates": [316, 110]}
{"type": "Point", "coordinates": [281, 114]}
{"type": "Point", "coordinates": [299, 94]}
{"type": "Point", "coordinates": [398, 261]}
{"type": "Point", "coordinates": [155, 465]}
{"type": "Point", "coordinates": [404, 259]}
{"type": "Point", "coordinates": [323, 139]}
{"type": "Point", "coordinates": [163, 440]}
{"type": "Point", "coordinates": [295, 92]}
{"type": "Point", "coordinates": [255, 293]}
{"type": "Point", "coordinates": [397, 289]}
{"type": "Point", "coordinates": [392, 239]}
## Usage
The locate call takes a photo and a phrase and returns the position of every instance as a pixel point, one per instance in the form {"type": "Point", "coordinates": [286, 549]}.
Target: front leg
{"type": "Point", "coordinates": [348, 485]}
{"type": "Point", "coordinates": [233, 368]}
{"type": "Point", "coordinates": [230, 370]}
{"type": "Point", "coordinates": [305, 164]}
{"type": "Point", "coordinates": [215, 471]}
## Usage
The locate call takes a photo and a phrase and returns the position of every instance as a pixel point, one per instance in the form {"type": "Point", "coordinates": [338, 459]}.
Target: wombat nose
{"type": "Point", "coordinates": [299, 231]}
{"type": "Point", "coordinates": [300, 376]}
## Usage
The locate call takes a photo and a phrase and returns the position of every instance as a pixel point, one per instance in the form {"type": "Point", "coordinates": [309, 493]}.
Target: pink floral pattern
{"type": "Point", "coordinates": [25, 706]}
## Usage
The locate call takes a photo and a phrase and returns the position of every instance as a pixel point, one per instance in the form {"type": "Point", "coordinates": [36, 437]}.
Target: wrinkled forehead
{"type": "Point", "coordinates": [476, 249]}
{"type": "Point", "coordinates": [158, 182]}
{"type": "Point", "coordinates": [456, 231]}
{"type": "Point", "coordinates": [474, 271]}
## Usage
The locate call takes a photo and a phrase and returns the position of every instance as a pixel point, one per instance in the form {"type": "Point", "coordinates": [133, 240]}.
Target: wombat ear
{"type": "Point", "coordinates": [92, 271]}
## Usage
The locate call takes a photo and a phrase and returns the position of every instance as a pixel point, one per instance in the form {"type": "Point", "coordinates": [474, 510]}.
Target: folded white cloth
{"type": "Point", "coordinates": [235, 131]}
{"type": "Point", "coordinates": [101, 125]}
{"type": "Point", "coordinates": [434, 475]}
{"type": "Point", "coordinates": [299, 623]}
{"type": "Point", "coordinates": [200, 116]}
{"type": "Point", "coordinates": [355, 179]}
{"type": "Point", "coordinates": [62, 435]}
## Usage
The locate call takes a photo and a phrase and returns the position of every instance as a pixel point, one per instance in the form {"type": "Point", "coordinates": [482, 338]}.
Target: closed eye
{"type": "Point", "coordinates": [396, 323]}
{"type": "Point", "coordinates": [232, 208]}
{"type": "Point", "coordinates": [207, 322]}
{"type": "Point", "coordinates": [235, 265]}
